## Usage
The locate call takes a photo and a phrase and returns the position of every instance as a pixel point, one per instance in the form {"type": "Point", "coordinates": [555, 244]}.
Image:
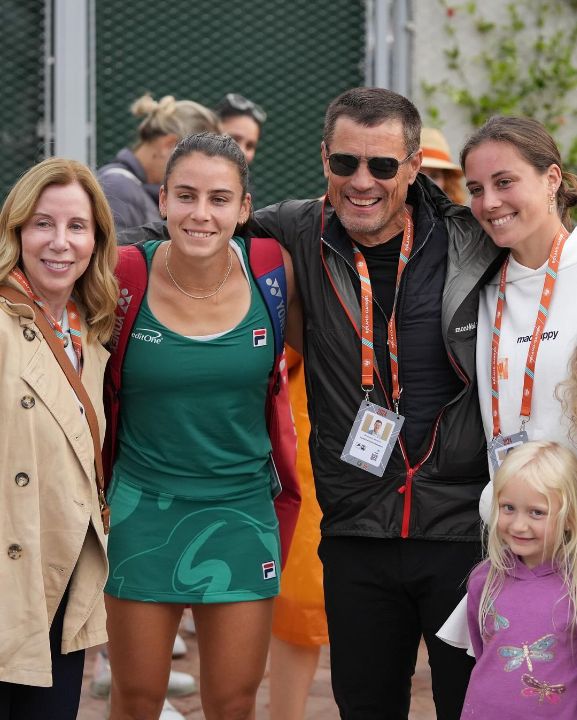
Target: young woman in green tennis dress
{"type": "Point", "coordinates": [193, 521]}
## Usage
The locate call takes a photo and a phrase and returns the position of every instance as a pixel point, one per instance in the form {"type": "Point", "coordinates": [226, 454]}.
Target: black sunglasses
{"type": "Point", "coordinates": [239, 102]}
{"type": "Point", "coordinates": [382, 168]}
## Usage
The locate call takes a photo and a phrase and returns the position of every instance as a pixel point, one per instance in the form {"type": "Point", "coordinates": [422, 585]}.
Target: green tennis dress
{"type": "Point", "coordinates": [191, 503]}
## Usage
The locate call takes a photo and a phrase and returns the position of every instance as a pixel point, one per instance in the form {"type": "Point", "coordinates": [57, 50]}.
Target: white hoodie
{"type": "Point", "coordinates": [522, 296]}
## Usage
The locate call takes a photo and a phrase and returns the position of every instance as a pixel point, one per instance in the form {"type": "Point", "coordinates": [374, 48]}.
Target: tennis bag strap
{"type": "Point", "coordinates": [267, 265]}
{"type": "Point", "coordinates": [132, 275]}
{"type": "Point", "coordinates": [73, 378]}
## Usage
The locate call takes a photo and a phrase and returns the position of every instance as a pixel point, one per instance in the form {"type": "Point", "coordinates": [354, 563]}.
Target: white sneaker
{"type": "Point", "coordinates": [187, 624]}
{"type": "Point", "coordinates": [179, 683]}
{"type": "Point", "coordinates": [179, 649]}
{"type": "Point", "coordinates": [169, 712]}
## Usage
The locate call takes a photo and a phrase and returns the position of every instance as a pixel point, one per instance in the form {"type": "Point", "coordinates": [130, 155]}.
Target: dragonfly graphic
{"type": "Point", "coordinates": [500, 622]}
{"type": "Point", "coordinates": [528, 653]}
{"type": "Point", "coordinates": [541, 689]}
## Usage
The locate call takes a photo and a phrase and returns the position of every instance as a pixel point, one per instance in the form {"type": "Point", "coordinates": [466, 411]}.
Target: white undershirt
{"type": "Point", "coordinates": [205, 338]}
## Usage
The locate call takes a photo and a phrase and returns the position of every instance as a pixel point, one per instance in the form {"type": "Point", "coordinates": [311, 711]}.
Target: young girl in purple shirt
{"type": "Point", "coordinates": [522, 600]}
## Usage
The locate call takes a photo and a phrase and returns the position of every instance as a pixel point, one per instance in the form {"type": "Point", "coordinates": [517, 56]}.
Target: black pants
{"type": "Point", "coordinates": [381, 596]}
{"type": "Point", "coordinates": [59, 702]}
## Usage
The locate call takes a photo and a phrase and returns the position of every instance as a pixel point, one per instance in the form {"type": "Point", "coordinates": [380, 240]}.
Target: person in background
{"type": "Point", "coordinates": [242, 120]}
{"type": "Point", "coordinates": [58, 248]}
{"type": "Point", "coordinates": [439, 166]}
{"type": "Point", "coordinates": [132, 180]}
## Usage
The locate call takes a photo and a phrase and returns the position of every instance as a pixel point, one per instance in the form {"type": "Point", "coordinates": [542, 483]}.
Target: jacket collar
{"type": "Point", "coordinates": [423, 196]}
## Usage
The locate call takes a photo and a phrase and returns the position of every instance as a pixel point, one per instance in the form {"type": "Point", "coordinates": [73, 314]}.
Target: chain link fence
{"type": "Point", "coordinates": [22, 49]}
{"type": "Point", "coordinates": [291, 58]}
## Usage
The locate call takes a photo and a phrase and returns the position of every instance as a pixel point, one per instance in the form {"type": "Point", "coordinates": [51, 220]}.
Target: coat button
{"type": "Point", "coordinates": [29, 334]}
{"type": "Point", "coordinates": [27, 402]}
{"type": "Point", "coordinates": [21, 479]}
{"type": "Point", "coordinates": [14, 551]}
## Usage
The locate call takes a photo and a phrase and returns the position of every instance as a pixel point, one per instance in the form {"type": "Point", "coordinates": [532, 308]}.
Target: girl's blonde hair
{"type": "Point", "coordinates": [550, 469]}
{"type": "Point", "coordinates": [168, 116]}
{"type": "Point", "coordinates": [566, 393]}
{"type": "Point", "coordinates": [97, 288]}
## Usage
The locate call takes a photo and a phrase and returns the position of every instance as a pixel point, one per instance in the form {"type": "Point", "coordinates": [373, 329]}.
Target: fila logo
{"type": "Point", "coordinates": [269, 570]}
{"type": "Point", "coordinates": [259, 337]}
{"type": "Point", "coordinates": [124, 300]}
{"type": "Point", "coordinates": [274, 287]}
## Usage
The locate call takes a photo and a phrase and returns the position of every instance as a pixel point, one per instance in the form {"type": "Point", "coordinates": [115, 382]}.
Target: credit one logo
{"type": "Point", "coordinates": [149, 336]}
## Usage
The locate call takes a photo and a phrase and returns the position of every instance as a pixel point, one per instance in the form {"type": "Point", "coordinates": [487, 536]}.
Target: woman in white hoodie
{"type": "Point", "coordinates": [521, 196]}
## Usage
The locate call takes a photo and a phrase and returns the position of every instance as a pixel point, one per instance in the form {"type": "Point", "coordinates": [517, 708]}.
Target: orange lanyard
{"type": "Point", "coordinates": [367, 344]}
{"type": "Point", "coordinates": [542, 313]}
{"type": "Point", "coordinates": [71, 309]}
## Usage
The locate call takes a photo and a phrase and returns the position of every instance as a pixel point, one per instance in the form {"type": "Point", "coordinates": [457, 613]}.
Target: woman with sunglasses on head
{"type": "Point", "coordinates": [191, 493]}
{"type": "Point", "coordinates": [242, 120]}
{"type": "Point", "coordinates": [57, 260]}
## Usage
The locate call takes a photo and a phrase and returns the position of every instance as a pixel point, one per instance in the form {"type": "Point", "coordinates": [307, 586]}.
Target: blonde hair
{"type": "Point", "coordinates": [566, 393]}
{"type": "Point", "coordinates": [168, 116]}
{"type": "Point", "coordinates": [97, 288]}
{"type": "Point", "coordinates": [550, 469]}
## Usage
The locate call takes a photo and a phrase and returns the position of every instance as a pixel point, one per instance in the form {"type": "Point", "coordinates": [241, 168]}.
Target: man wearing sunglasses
{"type": "Point", "coordinates": [396, 549]}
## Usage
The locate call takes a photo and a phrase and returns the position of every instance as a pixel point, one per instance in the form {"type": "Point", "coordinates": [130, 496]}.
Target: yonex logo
{"type": "Point", "coordinates": [269, 570]}
{"type": "Point", "coordinates": [274, 287]}
{"type": "Point", "coordinates": [124, 300]}
{"type": "Point", "coordinates": [149, 336]}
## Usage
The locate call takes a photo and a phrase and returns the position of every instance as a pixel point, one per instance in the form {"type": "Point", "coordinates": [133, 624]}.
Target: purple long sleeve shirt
{"type": "Point", "coordinates": [527, 661]}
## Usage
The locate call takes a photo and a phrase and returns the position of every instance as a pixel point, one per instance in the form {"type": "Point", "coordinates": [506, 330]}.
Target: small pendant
{"type": "Point", "coordinates": [66, 340]}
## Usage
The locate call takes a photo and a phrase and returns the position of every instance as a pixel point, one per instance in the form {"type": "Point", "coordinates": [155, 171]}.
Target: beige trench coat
{"type": "Point", "coordinates": [51, 534]}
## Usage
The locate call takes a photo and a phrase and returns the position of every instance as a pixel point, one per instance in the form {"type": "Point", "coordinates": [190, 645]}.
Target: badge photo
{"type": "Point", "coordinates": [372, 438]}
{"type": "Point", "coordinates": [502, 445]}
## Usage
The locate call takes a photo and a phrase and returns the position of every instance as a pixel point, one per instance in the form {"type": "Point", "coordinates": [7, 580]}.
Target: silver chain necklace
{"type": "Point", "coordinates": [190, 295]}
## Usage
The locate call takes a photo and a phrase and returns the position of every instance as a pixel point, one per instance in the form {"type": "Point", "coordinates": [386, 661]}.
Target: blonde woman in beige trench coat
{"type": "Point", "coordinates": [58, 247]}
